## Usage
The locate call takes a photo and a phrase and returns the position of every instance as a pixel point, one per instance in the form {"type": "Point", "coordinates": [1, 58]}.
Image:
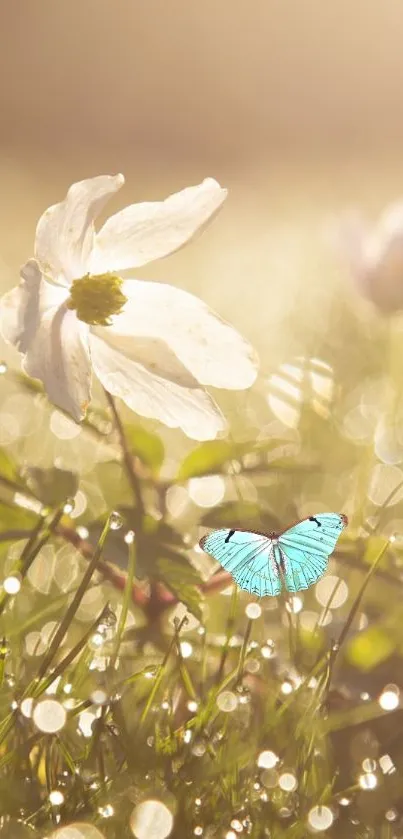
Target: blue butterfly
{"type": "Point", "coordinates": [263, 563]}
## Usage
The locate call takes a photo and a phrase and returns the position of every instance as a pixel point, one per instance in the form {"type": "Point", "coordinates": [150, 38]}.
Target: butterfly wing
{"type": "Point", "coordinates": [248, 557]}
{"type": "Point", "coordinates": [306, 548]}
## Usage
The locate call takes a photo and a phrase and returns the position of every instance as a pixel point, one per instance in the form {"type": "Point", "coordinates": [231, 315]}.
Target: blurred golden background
{"type": "Point", "coordinates": [295, 107]}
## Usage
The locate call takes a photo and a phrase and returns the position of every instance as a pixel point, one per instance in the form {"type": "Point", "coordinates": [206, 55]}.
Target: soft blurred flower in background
{"type": "Point", "coordinates": [150, 344]}
{"type": "Point", "coordinates": [375, 257]}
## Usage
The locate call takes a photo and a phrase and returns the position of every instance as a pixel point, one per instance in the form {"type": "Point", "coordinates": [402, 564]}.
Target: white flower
{"type": "Point", "coordinates": [150, 344]}
{"type": "Point", "coordinates": [375, 257]}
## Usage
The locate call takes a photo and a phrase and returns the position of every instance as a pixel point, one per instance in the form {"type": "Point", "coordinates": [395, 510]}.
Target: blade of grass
{"type": "Point", "coordinates": [353, 611]}
{"type": "Point", "coordinates": [69, 658]}
{"type": "Point", "coordinates": [126, 600]}
{"type": "Point", "coordinates": [65, 623]}
{"type": "Point", "coordinates": [230, 628]}
{"type": "Point", "coordinates": [161, 672]}
{"type": "Point", "coordinates": [242, 655]}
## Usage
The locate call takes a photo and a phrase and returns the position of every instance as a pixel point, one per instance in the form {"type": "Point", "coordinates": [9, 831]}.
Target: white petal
{"type": "Point", "coordinates": [65, 232]}
{"type": "Point", "coordinates": [21, 309]}
{"type": "Point", "coordinates": [147, 391]}
{"type": "Point", "coordinates": [143, 232]}
{"type": "Point", "coordinates": [210, 348]}
{"type": "Point", "coordinates": [58, 355]}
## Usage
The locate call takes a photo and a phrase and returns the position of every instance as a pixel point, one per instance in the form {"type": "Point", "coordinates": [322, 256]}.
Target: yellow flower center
{"type": "Point", "coordinates": [96, 297]}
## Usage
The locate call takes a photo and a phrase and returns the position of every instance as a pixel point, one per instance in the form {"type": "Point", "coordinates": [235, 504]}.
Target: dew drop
{"type": "Point", "coordinates": [56, 798]}
{"type": "Point", "coordinates": [369, 765]}
{"type": "Point", "coordinates": [68, 506]}
{"type": "Point", "coordinates": [12, 584]}
{"type": "Point", "coordinates": [186, 649]}
{"type": "Point", "coordinates": [115, 521]}
{"type": "Point", "coordinates": [368, 781]}
{"type": "Point", "coordinates": [389, 698]}
{"type": "Point", "coordinates": [106, 811]}
{"type": "Point", "coordinates": [227, 701]}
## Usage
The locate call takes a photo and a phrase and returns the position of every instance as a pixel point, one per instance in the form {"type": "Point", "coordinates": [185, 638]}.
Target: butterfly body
{"type": "Point", "coordinates": [264, 563]}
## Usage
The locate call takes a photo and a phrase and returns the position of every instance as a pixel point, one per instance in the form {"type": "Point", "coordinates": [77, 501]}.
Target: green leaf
{"type": "Point", "coordinates": [210, 458]}
{"type": "Point", "coordinates": [242, 514]}
{"type": "Point", "coordinates": [8, 466]}
{"type": "Point", "coordinates": [16, 518]}
{"type": "Point", "coordinates": [182, 580]}
{"type": "Point", "coordinates": [146, 445]}
{"type": "Point", "coordinates": [154, 530]}
{"type": "Point", "coordinates": [51, 486]}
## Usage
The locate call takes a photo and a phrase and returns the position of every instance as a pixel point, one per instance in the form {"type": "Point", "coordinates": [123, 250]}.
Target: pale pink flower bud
{"type": "Point", "coordinates": [375, 257]}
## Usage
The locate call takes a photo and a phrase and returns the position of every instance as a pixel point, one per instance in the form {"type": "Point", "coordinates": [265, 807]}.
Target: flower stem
{"type": "Point", "coordinates": [127, 457]}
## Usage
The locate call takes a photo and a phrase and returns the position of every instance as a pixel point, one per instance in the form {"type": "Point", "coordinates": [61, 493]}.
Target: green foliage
{"type": "Point", "coordinates": [242, 514]}
{"type": "Point", "coordinates": [8, 466]}
{"type": "Point", "coordinates": [15, 518]}
{"type": "Point", "coordinates": [190, 706]}
{"type": "Point", "coordinates": [145, 445]}
{"type": "Point", "coordinates": [182, 580]}
{"type": "Point", "coordinates": [210, 458]}
{"type": "Point", "coordinates": [51, 486]}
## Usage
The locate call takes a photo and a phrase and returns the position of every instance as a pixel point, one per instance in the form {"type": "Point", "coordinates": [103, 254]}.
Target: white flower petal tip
{"type": "Point", "coordinates": [156, 387]}
{"type": "Point", "coordinates": [65, 232]}
{"type": "Point", "coordinates": [144, 232]}
{"type": "Point", "coordinates": [214, 352]}
{"type": "Point", "coordinates": [21, 308]}
{"type": "Point", "coordinates": [375, 257]}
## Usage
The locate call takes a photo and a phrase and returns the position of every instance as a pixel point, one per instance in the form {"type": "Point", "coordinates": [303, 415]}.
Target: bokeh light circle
{"type": "Point", "coordinates": [331, 590]}
{"type": "Point", "coordinates": [320, 818]}
{"type": "Point", "coordinates": [49, 716]}
{"type": "Point", "coordinates": [389, 698]}
{"type": "Point", "coordinates": [267, 760]}
{"type": "Point", "coordinates": [78, 830]}
{"type": "Point", "coordinates": [288, 782]}
{"type": "Point", "coordinates": [151, 819]}
{"type": "Point", "coordinates": [207, 491]}
{"type": "Point", "coordinates": [253, 611]}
